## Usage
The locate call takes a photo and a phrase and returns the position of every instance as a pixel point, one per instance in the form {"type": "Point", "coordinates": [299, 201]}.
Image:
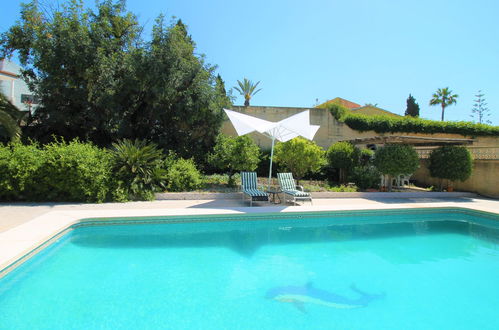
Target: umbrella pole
{"type": "Point", "coordinates": [271, 155]}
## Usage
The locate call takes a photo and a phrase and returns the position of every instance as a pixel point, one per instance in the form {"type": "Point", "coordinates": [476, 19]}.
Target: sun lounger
{"type": "Point", "coordinates": [289, 188]}
{"type": "Point", "coordinates": [250, 188]}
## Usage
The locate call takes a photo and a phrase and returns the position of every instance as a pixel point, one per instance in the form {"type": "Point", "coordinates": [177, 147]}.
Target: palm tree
{"type": "Point", "coordinates": [444, 97]}
{"type": "Point", "coordinates": [247, 89]}
{"type": "Point", "coordinates": [10, 119]}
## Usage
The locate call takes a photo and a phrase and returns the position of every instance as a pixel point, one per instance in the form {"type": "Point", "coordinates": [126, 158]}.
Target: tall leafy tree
{"type": "Point", "coordinates": [177, 101]}
{"type": "Point", "coordinates": [412, 107]}
{"type": "Point", "coordinates": [73, 60]}
{"type": "Point", "coordinates": [444, 97]}
{"type": "Point", "coordinates": [480, 110]}
{"type": "Point", "coordinates": [98, 80]}
{"type": "Point", "coordinates": [247, 89]}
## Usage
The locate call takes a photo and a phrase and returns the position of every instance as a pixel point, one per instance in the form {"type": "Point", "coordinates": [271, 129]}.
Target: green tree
{"type": "Point", "coordinates": [451, 163]}
{"type": "Point", "coordinates": [247, 89]}
{"type": "Point", "coordinates": [74, 61]}
{"type": "Point", "coordinates": [480, 110]}
{"type": "Point", "coordinates": [234, 154]}
{"type": "Point", "coordinates": [299, 156]}
{"type": "Point", "coordinates": [178, 101]}
{"type": "Point", "coordinates": [344, 156]}
{"type": "Point", "coordinates": [444, 97]}
{"type": "Point", "coordinates": [412, 107]}
{"type": "Point", "coordinates": [395, 159]}
{"type": "Point", "coordinates": [99, 80]}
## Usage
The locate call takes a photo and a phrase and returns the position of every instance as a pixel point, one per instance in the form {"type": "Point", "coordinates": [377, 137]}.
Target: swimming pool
{"type": "Point", "coordinates": [392, 269]}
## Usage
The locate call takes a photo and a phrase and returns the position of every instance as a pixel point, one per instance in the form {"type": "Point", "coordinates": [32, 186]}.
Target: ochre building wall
{"type": "Point", "coordinates": [330, 130]}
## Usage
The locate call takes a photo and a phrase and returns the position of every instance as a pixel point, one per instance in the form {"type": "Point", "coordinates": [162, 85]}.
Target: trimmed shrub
{"type": "Point", "coordinates": [299, 156]}
{"type": "Point", "coordinates": [234, 154]}
{"type": "Point", "coordinates": [365, 177]}
{"type": "Point", "coordinates": [183, 175]}
{"type": "Point", "coordinates": [395, 159]}
{"type": "Point", "coordinates": [139, 169]}
{"type": "Point", "coordinates": [72, 172]}
{"type": "Point", "coordinates": [343, 155]}
{"type": "Point", "coordinates": [451, 162]}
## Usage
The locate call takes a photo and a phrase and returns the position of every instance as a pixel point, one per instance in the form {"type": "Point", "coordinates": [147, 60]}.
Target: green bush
{"type": "Point", "coordinates": [407, 124]}
{"type": "Point", "coordinates": [18, 163]}
{"type": "Point", "coordinates": [365, 177]}
{"type": "Point", "coordinates": [183, 175]}
{"type": "Point", "coordinates": [299, 156]}
{"type": "Point", "coordinates": [343, 155]}
{"type": "Point", "coordinates": [451, 162]}
{"type": "Point", "coordinates": [72, 172]}
{"type": "Point", "coordinates": [138, 168]}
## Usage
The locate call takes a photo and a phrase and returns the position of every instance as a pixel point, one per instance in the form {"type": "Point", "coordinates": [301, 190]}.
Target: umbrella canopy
{"type": "Point", "coordinates": [284, 130]}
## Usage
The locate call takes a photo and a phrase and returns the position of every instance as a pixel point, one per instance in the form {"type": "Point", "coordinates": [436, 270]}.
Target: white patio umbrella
{"type": "Point", "coordinates": [284, 130]}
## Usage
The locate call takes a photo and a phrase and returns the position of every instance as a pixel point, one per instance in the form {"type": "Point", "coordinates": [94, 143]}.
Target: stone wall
{"type": "Point", "coordinates": [484, 180]}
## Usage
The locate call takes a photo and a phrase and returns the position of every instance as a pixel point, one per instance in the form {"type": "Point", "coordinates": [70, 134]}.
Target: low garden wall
{"type": "Point", "coordinates": [484, 179]}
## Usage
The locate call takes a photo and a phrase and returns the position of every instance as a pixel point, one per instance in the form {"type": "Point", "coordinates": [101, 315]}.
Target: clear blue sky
{"type": "Point", "coordinates": [364, 51]}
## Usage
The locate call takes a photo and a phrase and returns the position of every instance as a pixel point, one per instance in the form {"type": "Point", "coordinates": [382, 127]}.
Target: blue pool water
{"type": "Point", "coordinates": [357, 270]}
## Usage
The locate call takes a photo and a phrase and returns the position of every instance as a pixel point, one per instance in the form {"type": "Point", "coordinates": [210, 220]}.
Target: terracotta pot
{"type": "Point", "coordinates": [450, 189]}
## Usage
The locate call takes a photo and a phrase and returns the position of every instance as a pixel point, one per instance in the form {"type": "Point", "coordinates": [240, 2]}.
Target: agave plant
{"type": "Point", "coordinates": [247, 89]}
{"type": "Point", "coordinates": [10, 119]}
{"type": "Point", "coordinates": [139, 168]}
{"type": "Point", "coordinates": [444, 97]}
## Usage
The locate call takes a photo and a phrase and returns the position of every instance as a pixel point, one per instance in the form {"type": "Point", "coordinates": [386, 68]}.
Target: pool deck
{"type": "Point", "coordinates": [25, 226]}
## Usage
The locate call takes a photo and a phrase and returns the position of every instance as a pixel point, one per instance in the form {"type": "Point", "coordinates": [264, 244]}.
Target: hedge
{"type": "Point", "coordinates": [388, 124]}
{"type": "Point", "coordinates": [57, 172]}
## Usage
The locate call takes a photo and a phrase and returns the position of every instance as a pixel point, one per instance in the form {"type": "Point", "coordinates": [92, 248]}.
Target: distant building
{"type": "Point", "coordinates": [331, 130]}
{"type": "Point", "coordinates": [12, 86]}
{"type": "Point", "coordinates": [368, 109]}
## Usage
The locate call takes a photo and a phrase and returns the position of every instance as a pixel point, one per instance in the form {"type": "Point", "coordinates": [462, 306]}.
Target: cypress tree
{"type": "Point", "coordinates": [412, 107]}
